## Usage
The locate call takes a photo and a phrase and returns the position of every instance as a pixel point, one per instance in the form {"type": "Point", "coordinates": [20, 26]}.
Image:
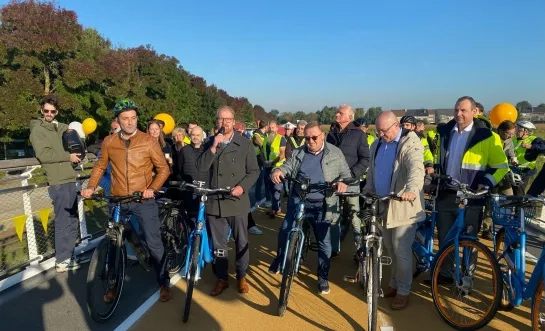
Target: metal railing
{"type": "Point", "coordinates": [27, 228]}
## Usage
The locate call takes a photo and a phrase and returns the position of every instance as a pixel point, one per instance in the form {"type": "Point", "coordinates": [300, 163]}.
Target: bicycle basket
{"type": "Point", "coordinates": [508, 216]}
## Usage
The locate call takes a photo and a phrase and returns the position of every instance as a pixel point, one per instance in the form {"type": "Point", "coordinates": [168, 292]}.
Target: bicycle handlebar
{"type": "Point", "coordinates": [467, 192]}
{"type": "Point", "coordinates": [199, 189]}
{"type": "Point", "coordinates": [135, 197]}
{"type": "Point", "coordinates": [515, 200]}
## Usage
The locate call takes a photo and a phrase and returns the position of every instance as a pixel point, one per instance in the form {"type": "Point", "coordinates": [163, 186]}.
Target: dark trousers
{"type": "Point", "coordinates": [274, 190]}
{"type": "Point", "coordinates": [447, 211]}
{"type": "Point", "coordinates": [314, 212]}
{"type": "Point", "coordinates": [251, 221]}
{"type": "Point", "coordinates": [259, 183]}
{"type": "Point", "coordinates": [219, 227]}
{"type": "Point", "coordinates": [538, 185]}
{"type": "Point", "coordinates": [147, 214]}
{"type": "Point", "coordinates": [65, 205]}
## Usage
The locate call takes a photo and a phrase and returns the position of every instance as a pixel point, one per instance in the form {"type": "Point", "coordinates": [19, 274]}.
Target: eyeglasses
{"type": "Point", "coordinates": [225, 120]}
{"type": "Point", "coordinates": [386, 130]}
{"type": "Point", "coordinates": [50, 111]}
{"type": "Point", "coordinates": [313, 138]}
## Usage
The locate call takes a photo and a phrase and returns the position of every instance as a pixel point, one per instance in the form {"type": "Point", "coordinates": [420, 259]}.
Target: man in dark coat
{"type": "Point", "coordinates": [352, 141]}
{"type": "Point", "coordinates": [232, 162]}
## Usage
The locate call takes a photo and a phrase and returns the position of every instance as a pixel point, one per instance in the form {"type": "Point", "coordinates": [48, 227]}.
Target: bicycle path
{"type": "Point", "coordinates": [342, 309]}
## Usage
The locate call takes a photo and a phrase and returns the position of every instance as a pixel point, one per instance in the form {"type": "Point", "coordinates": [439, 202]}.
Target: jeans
{"type": "Point", "coordinates": [147, 214]}
{"type": "Point", "coordinates": [314, 212]}
{"type": "Point", "coordinates": [65, 206]}
{"type": "Point", "coordinates": [351, 207]}
{"type": "Point", "coordinates": [259, 184]}
{"type": "Point", "coordinates": [398, 241]}
{"type": "Point", "coordinates": [274, 190]}
{"type": "Point", "coordinates": [219, 228]}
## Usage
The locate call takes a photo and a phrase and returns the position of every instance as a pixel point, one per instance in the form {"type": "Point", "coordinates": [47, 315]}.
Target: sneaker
{"type": "Point", "coordinates": [267, 204]}
{"type": "Point", "coordinates": [275, 267]}
{"type": "Point", "coordinates": [81, 259]}
{"type": "Point", "coordinates": [255, 230]}
{"type": "Point", "coordinates": [67, 265]}
{"type": "Point", "coordinates": [323, 288]}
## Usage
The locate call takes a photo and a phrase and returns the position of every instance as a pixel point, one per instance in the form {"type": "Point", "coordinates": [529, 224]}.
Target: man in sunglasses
{"type": "Point", "coordinates": [46, 139]}
{"type": "Point", "coordinates": [321, 162]}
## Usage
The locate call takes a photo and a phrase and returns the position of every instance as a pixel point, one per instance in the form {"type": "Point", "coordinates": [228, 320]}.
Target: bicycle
{"type": "Point", "coordinates": [298, 239]}
{"type": "Point", "coordinates": [463, 245]}
{"type": "Point", "coordinates": [200, 249]}
{"type": "Point", "coordinates": [512, 212]}
{"type": "Point", "coordinates": [109, 260]}
{"type": "Point", "coordinates": [175, 226]}
{"type": "Point", "coordinates": [369, 256]}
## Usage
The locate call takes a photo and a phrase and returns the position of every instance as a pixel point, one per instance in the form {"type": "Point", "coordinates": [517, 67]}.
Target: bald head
{"type": "Point", "coordinates": [387, 126]}
{"type": "Point", "coordinates": [196, 135]}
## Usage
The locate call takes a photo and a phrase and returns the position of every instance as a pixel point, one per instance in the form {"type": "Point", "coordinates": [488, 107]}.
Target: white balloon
{"type": "Point", "coordinates": [77, 126]}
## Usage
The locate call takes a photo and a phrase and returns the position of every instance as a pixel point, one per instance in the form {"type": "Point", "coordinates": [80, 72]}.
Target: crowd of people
{"type": "Point", "coordinates": [398, 158]}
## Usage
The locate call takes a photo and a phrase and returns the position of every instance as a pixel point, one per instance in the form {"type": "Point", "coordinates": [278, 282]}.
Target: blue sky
{"type": "Point", "coordinates": [302, 55]}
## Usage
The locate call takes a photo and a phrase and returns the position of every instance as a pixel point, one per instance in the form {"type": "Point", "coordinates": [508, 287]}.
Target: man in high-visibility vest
{"type": "Point", "coordinates": [274, 153]}
{"type": "Point", "coordinates": [297, 139]}
{"type": "Point", "coordinates": [409, 123]}
{"type": "Point", "coordinates": [258, 138]}
{"type": "Point", "coordinates": [527, 149]}
{"type": "Point", "coordinates": [469, 152]}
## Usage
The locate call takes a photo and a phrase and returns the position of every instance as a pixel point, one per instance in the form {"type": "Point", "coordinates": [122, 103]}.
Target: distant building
{"type": "Point", "coordinates": [444, 114]}
{"type": "Point", "coordinates": [535, 114]}
{"type": "Point", "coordinates": [426, 115]}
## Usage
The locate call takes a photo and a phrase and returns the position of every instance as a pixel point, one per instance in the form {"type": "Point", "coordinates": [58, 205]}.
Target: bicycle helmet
{"type": "Point", "coordinates": [362, 122]}
{"type": "Point", "coordinates": [124, 105]}
{"type": "Point", "coordinates": [526, 125]}
{"type": "Point", "coordinates": [408, 119]}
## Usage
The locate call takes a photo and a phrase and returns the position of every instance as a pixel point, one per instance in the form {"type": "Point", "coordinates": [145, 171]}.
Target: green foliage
{"type": "Point", "coordinates": [57, 55]}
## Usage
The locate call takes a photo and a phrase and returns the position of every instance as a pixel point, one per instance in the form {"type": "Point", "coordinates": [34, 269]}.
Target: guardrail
{"type": "Point", "coordinates": [27, 229]}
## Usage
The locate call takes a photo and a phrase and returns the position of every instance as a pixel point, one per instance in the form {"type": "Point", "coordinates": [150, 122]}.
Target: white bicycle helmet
{"type": "Point", "coordinates": [526, 125]}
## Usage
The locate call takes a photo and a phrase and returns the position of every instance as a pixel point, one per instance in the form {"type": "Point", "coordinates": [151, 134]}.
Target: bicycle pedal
{"type": "Point", "coordinates": [385, 260]}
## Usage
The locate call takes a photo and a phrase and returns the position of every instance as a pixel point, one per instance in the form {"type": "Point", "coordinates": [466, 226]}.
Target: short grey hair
{"type": "Point", "coordinates": [351, 110]}
{"type": "Point", "coordinates": [302, 122]}
{"type": "Point", "coordinates": [313, 124]}
{"type": "Point", "coordinates": [178, 130]}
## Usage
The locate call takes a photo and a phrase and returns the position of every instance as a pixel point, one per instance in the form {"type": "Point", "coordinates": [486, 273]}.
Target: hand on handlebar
{"type": "Point", "coordinates": [237, 191]}
{"type": "Point", "coordinates": [148, 194]}
{"type": "Point", "coordinates": [341, 187]}
{"type": "Point", "coordinates": [408, 196]}
{"type": "Point", "coordinates": [86, 193]}
{"type": "Point", "coordinates": [277, 176]}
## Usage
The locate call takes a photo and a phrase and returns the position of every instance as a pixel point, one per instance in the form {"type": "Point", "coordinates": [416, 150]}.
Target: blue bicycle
{"type": "Point", "coordinates": [200, 250]}
{"type": "Point", "coordinates": [457, 256]}
{"type": "Point", "coordinates": [512, 212]}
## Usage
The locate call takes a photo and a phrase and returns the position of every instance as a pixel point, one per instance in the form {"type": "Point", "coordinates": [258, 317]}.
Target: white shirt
{"type": "Point", "coordinates": [455, 152]}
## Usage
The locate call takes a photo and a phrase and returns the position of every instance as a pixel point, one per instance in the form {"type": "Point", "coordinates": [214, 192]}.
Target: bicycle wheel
{"type": "Point", "coordinates": [288, 273]}
{"type": "Point", "coordinates": [105, 268]}
{"type": "Point", "coordinates": [505, 303]}
{"type": "Point", "coordinates": [176, 240]}
{"type": "Point", "coordinates": [483, 272]}
{"type": "Point", "coordinates": [192, 274]}
{"type": "Point", "coordinates": [538, 319]}
{"type": "Point", "coordinates": [372, 290]}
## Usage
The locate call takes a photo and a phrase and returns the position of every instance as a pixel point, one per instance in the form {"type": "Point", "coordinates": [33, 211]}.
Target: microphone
{"type": "Point", "coordinates": [220, 131]}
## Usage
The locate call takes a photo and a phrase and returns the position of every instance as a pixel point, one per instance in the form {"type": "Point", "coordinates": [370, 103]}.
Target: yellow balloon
{"type": "Point", "coordinates": [502, 112]}
{"type": "Point", "coordinates": [169, 122]}
{"type": "Point", "coordinates": [89, 126]}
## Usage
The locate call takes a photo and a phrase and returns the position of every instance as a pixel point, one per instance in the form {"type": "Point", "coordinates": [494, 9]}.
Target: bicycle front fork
{"type": "Point", "coordinates": [299, 248]}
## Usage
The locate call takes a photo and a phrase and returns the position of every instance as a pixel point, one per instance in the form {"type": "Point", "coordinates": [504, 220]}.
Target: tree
{"type": "Point", "coordinates": [274, 113]}
{"type": "Point", "coordinates": [372, 114]}
{"type": "Point", "coordinates": [360, 112]}
{"type": "Point", "coordinates": [299, 116]}
{"type": "Point", "coordinates": [524, 107]}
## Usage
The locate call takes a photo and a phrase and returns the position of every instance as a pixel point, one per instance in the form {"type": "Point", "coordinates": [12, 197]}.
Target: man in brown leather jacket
{"type": "Point", "coordinates": [134, 156]}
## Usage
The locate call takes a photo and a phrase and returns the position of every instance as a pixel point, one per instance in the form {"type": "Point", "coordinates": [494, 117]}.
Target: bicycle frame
{"type": "Point", "coordinates": [516, 272]}
{"type": "Point", "coordinates": [299, 218]}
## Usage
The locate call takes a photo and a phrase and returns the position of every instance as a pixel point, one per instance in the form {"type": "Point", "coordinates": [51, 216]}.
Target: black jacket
{"type": "Point", "coordinates": [233, 165]}
{"type": "Point", "coordinates": [186, 164]}
{"type": "Point", "coordinates": [352, 141]}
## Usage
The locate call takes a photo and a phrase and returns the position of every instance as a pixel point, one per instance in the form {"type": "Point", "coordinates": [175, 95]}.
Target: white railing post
{"type": "Point", "coordinates": [81, 215]}
{"type": "Point", "coordinates": [30, 233]}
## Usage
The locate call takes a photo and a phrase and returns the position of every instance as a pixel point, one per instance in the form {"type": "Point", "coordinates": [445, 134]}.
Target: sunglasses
{"type": "Point", "coordinates": [313, 138]}
{"type": "Point", "coordinates": [50, 111]}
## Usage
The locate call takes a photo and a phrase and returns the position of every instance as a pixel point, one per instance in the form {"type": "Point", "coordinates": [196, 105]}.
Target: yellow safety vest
{"type": "Point", "coordinates": [263, 139]}
{"type": "Point", "coordinates": [187, 141]}
{"type": "Point", "coordinates": [295, 145]}
{"type": "Point", "coordinates": [370, 139]}
{"type": "Point", "coordinates": [428, 156]}
{"type": "Point", "coordinates": [520, 152]}
{"type": "Point", "coordinates": [275, 150]}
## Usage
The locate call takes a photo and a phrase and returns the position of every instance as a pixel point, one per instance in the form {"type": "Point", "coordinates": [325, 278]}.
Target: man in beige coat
{"type": "Point", "coordinates": [397, 160]}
